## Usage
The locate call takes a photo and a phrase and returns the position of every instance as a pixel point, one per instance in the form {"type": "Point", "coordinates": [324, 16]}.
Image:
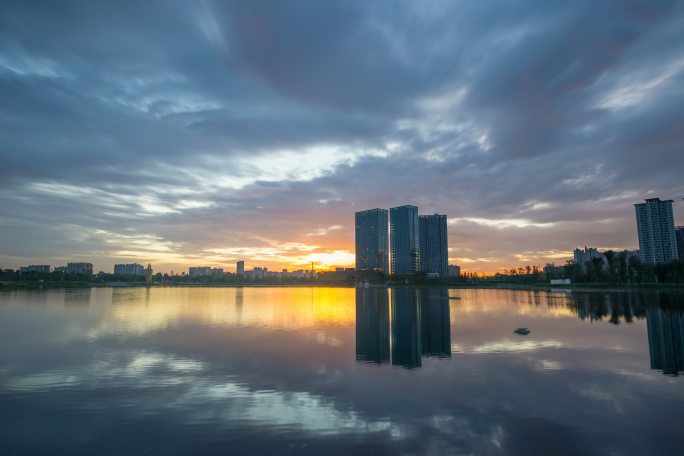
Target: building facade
{"type": "Point", "coordinates": [35, 268]}
{"type": "Point", "coordinates": [371, 240]}
{"type": "Point", "coordinates": [404, 240]}
{"type": "Point", "coordinates": [582, 257]}
{"type": "Point", "coordinates": [79, 268]}
{"type": "Point", "coordinates": [129, 269]}
{"type": "Point", "coordinates": [202, 271]}
{"type": "Point", "coordinates": [434, 247]}
{"type": "Point", "coordinates": [655, 227]}
{"type": "Point", "coordinates": [454, 270]}
{"type": "Point", "coordinates": [240, 268]}
{"type": "Point", "coordinates": [679, 234]}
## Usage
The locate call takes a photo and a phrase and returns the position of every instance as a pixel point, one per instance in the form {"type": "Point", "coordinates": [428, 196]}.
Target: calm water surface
{"type": "Point", "coordinates": [340, 371]}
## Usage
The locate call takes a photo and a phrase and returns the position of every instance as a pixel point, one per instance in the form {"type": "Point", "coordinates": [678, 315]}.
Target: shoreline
{"type": "Point", "coordinates": [14, 286]}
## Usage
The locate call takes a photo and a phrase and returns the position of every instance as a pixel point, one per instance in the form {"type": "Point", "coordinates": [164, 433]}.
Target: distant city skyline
{"type": "Point", "coordinates": [200, 133]}
{"type": "Point", "coordinates": [368, 234]}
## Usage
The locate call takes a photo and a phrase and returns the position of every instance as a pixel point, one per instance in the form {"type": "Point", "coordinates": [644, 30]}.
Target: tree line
{"type": "Point", "coordinates": [618, 268]}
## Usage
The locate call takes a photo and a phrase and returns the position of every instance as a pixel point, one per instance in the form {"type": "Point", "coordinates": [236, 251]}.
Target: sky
{"type": "Point", "coordinates": [202, 133]}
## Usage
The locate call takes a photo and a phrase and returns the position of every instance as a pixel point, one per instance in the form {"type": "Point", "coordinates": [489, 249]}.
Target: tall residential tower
{"type": "Point", "coordinates": [371, 241]}
{"type": "Point", "coordinates": [655, 226]}
{"type": "Point", "coordinates": [404, 245]}
{"type": "Point", "coordinates": [434, 255]}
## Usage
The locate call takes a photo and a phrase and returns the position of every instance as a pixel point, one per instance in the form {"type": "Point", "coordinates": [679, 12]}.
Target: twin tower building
{"type": "Point", "coordinates": [415, 243]}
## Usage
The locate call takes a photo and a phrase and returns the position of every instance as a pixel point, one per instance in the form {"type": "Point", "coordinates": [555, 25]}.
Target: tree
{"type": "Point", "coordinates": [572, 271]}
{"type": "Point", "coordinates": [610, 258]}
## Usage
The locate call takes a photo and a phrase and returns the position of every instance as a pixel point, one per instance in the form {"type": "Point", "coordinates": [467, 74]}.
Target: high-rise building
{"type": "Point", "coordinates": [404, 244]}
{"type": "Point", "coordinates": [129, 269]}
{"type": "Point", "coordinates": [79, 268]}
{"type": "Point", "coordinates": [371, 240]}
{"type": "Point", "coordinates": [655, 226]}
{"type": "Point", "coordinates": [240, 269]}
{"type": "Point", "coordinates": [434, 247]}
{"type": "Point", "coordinates": [679, 234]}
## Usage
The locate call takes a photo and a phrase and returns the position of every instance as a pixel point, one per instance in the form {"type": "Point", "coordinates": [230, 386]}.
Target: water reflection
{"type": "Point", "coordinates": [666, 339]}
{"type": "Point", "coordinates": [272, 370]}
{"type": "Point", "coordinates": [616, 307]}
{"type": "Point", "coordinates": [406, 336]}
{"type": "Point", "coordinates": [435, 327]}
{"type": "Point", "coordinates": [372, 326]}
{"type": "Point", "coordinates": [664, 316]}
{"type": "Point", "coordinates": [78, 297]}
{"type": "Point", "coordinates": [239, 302]}
{"type": "Point", "coordinates": [420, 325]}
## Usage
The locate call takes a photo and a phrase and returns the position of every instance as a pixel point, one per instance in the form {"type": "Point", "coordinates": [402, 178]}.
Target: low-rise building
{"type": "Point", "coordinates": [454, 270]}
{"type": "Point", "coordinates": [582, 257]}
{"type": "Point", "coordinates": [129, 269]}
{"type": "Point", "coordinates": [35, 268]}
{"type": "Point", "coordinates": [204, 271]}
{"type": "Point", "coordinates": [79, 268]}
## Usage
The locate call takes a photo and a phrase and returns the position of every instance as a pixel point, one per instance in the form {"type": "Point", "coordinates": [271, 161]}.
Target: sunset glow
{"type": "Point", "coordinates": [207, 133]}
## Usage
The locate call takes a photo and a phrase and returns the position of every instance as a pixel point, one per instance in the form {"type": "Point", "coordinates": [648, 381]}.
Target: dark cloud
{"type": "Point", "coordinates": [179, 127]}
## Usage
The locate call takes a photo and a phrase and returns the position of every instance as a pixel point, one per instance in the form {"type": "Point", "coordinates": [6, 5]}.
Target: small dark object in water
{"type": "Point", "coordinates": [454, 297]}
{"type": "Point", "coordinates": [522, 331]}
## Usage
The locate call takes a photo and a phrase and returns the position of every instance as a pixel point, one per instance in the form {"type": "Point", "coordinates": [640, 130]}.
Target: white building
{"type": "Point", "coordinates": [582, 257]}
{"type": "Point", "coordinates": [79, 268]}
{"type": "Point", "coordinates": [203, 271]}
{"type": "Point", "coordinates": [656, 230]}
{"type": "Point", "coordinates": [129, 269]}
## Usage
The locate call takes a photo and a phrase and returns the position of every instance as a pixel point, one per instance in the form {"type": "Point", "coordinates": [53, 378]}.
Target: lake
{"type": "Point", "coordinates": [340, 371]}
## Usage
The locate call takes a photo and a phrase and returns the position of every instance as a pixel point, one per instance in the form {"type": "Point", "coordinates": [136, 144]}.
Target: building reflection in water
{"type": "Point", "coordinates": [372, 325]}
{"type": "Point", "coordinates": [665, 339]}
{"type": "Point", "coordinates": [420, 325]}
{"type": "Point", "coordinates": [239, 302]}
{"type": "Point", "coordinates": [664, 313]}
{"type": "Point", "coordinates": [435, 322]}
{"type": "Point", "coordinates": [406, 337]}
{"type": "Point", "coordinates": [80, 297]}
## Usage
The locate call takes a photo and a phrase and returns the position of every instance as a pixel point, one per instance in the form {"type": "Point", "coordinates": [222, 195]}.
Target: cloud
{"type": "Point", "coordinates": [535, 126]}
